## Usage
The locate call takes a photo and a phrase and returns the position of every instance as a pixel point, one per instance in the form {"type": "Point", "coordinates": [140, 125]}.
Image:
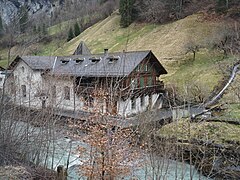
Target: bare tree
{"type": "Point", "coordinates": [193, 48]}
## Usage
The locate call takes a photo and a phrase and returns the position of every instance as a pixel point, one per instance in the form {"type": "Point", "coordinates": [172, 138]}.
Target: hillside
{"type": "Point", "coordinates": [161, 39]}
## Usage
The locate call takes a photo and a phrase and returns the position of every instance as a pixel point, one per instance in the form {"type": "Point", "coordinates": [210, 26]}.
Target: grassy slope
{"type": "Point", "coordinates": [164, 40]}
{"type": "Point", "coordinates": [3, 54]}
{"type": "Point", "coordinates": [218, 131]}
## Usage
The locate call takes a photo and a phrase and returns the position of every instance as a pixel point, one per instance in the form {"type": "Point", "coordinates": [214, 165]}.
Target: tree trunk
{"type": "Point", "coordinates": [194, 55]}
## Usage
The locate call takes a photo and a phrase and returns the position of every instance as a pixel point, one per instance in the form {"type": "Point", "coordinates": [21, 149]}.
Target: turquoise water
{"type": "Point", "coordinates": [63, 151]}
{"type": "Point", "coordinates": [164, 168]}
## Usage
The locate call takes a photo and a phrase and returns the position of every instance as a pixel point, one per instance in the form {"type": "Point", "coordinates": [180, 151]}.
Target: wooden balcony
{"type": "Point", "coordinates": [124, 93]}
{"type": "Point", "coordinates": [84, 90]}
{"type": "Point", "coordinates": [138, 91]}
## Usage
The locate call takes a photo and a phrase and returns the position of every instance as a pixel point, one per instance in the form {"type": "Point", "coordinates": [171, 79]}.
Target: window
{"type": "Point", "coordinates": [54, 92]}
{"type": "Point", "coordinates": [138, 68]}
{"type": "Point", "coordinates": [67, 93]}
{"type": "Point", "coordinates": [142, 82]}
{"type": "Point", "coordinates": [91, 101]}
{"type": "Point", "coordinates": [16, 78]}
{"type": "Point", "coordinates": [88, 100]}
{"type": "Point", "coordinates": [150, 81]}
{"type": "Point", "coordinates": [12, 88]}
{"type": "Point", "coordinates": [1, 79]}
{"type": "Point", "coordinates": [146, 67]}
{"type": "Point", "coordinates": [24, 91]}
{"type": "Point", "coordinates": [142, 100]}
{"type": "Point", "coordinates": [133, 103]}
{"type": "Point", "coordinates": [134, 83]}
{"type": "Point", "coordinates": [23, 69]}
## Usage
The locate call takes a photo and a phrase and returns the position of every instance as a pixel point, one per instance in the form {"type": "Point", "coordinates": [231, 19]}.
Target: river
{"type": "Point", "coordinates": [63, 150]}
{"type": "Point", "coordinates": [169, 169]}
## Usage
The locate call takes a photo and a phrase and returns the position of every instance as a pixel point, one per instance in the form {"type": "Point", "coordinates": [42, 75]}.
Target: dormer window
{"type": "Point", "coordinates": [112, 59]}
{"type": "Point", "coordinates": [64, 61]}
{"type": "Point", "coordinates": [94, 59]}
{"type": "Point", "coordinates": [79, 60]}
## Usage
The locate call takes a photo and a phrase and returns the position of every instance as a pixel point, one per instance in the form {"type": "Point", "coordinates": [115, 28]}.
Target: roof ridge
{"type": "Point", "coordinates": [120, 52]}
{"type": "Point", "coordinates": [38, 56]}
{"type": "Point", "coordinates": [124, 52]}
{"type": "Point", "coordinates": [146, 51]}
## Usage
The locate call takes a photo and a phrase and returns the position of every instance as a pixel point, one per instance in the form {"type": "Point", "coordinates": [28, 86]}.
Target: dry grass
{"type": "Point", "coordinates": [26, 173]}
{"type": "Point", "coordinates": [165, 41]}
{"type": "Point", "coordinates": [218, 132]}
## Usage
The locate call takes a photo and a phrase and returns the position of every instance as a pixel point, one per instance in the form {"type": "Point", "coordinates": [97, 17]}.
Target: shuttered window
{"type": "Point", "coordinates": [67, 93]}
{"type": "Point", "coordinates": [141, 81]}
{"type": "Point", "coordinates": [24, 91]}
{"type": "Point", "coordinates": [150, 81]}
{"type": "Point", "coordinates": [54, 92]}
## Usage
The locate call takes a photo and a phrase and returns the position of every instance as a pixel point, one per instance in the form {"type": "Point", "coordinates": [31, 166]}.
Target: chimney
{"type": "Point", "coordinates": [105, 52]}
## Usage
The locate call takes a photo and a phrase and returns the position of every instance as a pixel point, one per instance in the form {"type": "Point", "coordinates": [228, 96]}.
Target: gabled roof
{"type": "Point", "coordinates": [35, 62]}
{"type": "Point", "coordinates": [39, 62]}
{"type": "Point", "coordinates": [97, 65]}
{"type": "Point", "coordinates": [126, 63]}
{"type": "Point", "coordinates": [82, 49]}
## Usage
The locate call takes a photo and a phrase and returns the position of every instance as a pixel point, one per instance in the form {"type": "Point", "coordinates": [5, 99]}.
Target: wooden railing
{"type": "Point", "coordinates": [124, 92]}
{"type": "Point", "coordinates": [138, 91]}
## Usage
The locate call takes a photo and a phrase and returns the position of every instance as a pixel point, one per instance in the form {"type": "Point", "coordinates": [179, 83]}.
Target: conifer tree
{"type": "Point", "coordinates": [1, 26]}
{"type": "Point", "coordinates": [44, 29]}
{"type": "Point", "coordinates": [23, 19]}
{"type": "Point", "coordinates": [77, 30]}
{"type": "Point", "coordinates": [70, 34]}
{"type": "Point", "coordinates": [34, 29]}
{"type": "Point", "coordinates": [126, 9]}
{"type": "Point", "coordinates": [222, 5]}
{"type": "Point", "coordinates": [39, 30]}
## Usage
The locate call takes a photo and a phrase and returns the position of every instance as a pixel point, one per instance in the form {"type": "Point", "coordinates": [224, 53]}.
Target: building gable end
{"type": "Point", "coordinates": [14, 64]}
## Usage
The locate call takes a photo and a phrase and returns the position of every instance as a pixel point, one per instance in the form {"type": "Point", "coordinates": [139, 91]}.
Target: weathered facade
{"type": "Point", "coordinates": [123, 83]}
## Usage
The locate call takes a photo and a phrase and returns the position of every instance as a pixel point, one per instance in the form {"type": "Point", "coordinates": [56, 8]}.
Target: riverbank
{"type": "Point", "coordinates": [212, 147]}
{"type": "Point", "coordinates": [26, 173]}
